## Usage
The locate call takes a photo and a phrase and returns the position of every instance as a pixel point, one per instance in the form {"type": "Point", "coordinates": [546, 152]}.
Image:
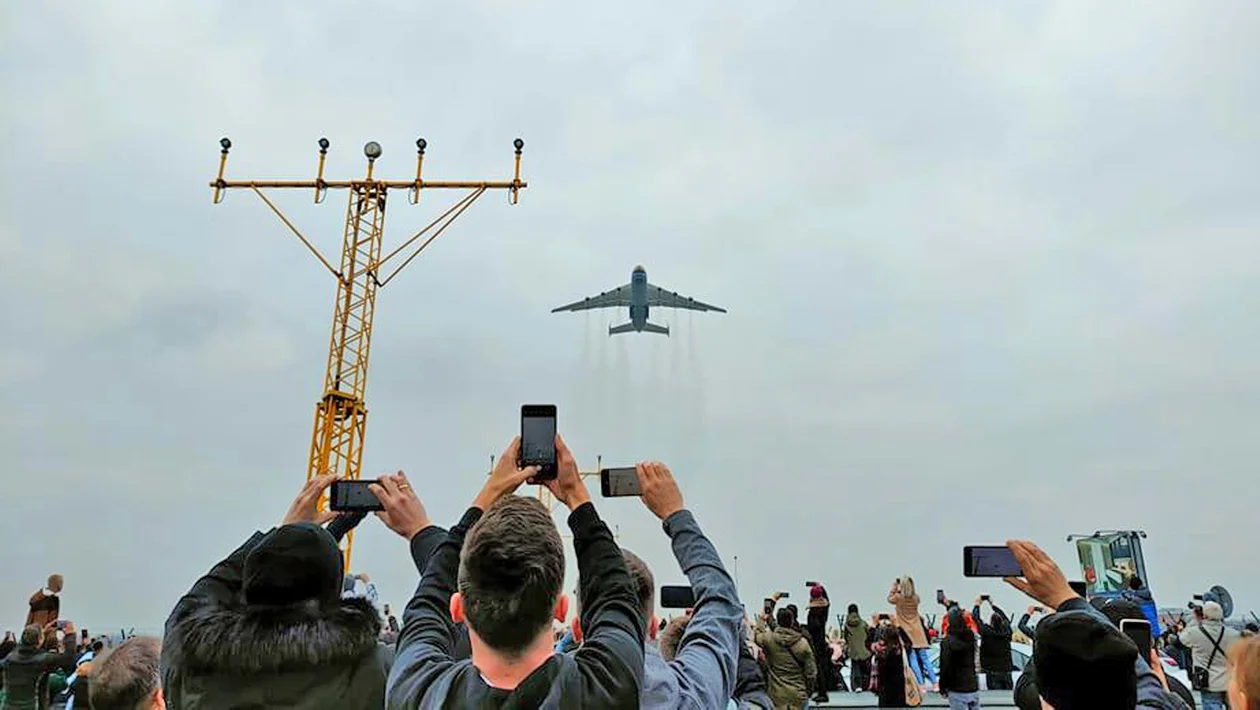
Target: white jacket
{"type": "Point", "coordinates": [1198, 638]}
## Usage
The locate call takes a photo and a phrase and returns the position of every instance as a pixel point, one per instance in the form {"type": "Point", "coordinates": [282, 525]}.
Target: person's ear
{"type": "Point", "coordinates": [653, 626]}
{"type": "Point", "coordinates": [561, 611]}
{"type": "Point", "coordinates": [159, 701]}
{"type": "Point", "coordinates": [457, 608]}
{"type": "Point", "coordinates": [577, 630]}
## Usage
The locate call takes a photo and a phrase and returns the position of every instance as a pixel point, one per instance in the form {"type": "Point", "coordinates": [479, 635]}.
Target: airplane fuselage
{"type": "Point", "coordinates": [638, 299]}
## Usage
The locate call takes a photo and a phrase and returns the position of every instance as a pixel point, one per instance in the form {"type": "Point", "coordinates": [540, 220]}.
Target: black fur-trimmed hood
{"type": "Point", "coordinates": [245, 640]}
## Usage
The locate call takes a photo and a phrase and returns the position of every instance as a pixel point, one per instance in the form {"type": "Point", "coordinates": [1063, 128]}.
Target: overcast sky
{"type": "Point", "coordinates": [991, 273]}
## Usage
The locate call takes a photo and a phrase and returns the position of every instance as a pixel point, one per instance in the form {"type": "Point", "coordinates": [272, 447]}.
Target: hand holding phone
{"type": "Point", "coordinates": [403, 512]}
{"type": "Point", "coordinates": [567, 486]}
{"type": "Point", "coordinates": [1043, 580]}
{"type": "Point", "coordinates": [538, 440]}
{"type": "Point", "coordinates": [1140, 633]}
{"type": "Point", "coordinates": [506, 477]}
{"type": "Point", "coordinates": [305, 507]}
{"type": "Point", "coordinates": [660, 490]}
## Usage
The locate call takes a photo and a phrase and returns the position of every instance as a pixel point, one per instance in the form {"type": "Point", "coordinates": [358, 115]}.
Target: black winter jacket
{"type": "Point", "coordinates": [958, 665]}
{"type": "Point", "coordinates": [220, 653]}
{"type": "Point", "coordinates": [24, 669]}
{"type": "Point", "coordinates": [995, 642]}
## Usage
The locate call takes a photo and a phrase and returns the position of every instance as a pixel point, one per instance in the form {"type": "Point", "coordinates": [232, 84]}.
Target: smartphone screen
{"type": "Point", "coordinates": [990, 561]}
{"type": "Point", "coordinates": [940, 596]}
{"type": "Point", "coordinates": [1140, 633]}
{"type": "Point", "coordinates": [616, 482]}
{"type": "Point", "coordinates": [353, 496]}
{"type": "Point", "coordinates": [677, 598]}
{"type": "Point", "coordinates": [538, 439]}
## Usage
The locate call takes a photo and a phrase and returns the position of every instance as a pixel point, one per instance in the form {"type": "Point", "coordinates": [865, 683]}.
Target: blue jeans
{"type": "Point", "coordinates": [964, 701]}
{"type": "Point", "coordinates": [921, 666]}
{"type": "Point", "coordinates": [1213, 701]}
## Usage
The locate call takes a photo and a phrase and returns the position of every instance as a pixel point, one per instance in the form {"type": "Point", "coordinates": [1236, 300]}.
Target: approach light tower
{"type": "Point", "coordinates": [341, 414]}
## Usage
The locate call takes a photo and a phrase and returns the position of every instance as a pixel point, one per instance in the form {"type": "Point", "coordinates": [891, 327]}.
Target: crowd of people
{"type": "Point", "coordinates": [278, 624]}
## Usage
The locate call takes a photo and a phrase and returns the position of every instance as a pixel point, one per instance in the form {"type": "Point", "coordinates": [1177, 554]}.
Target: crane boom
{"type": "Point", "coordinates": [341, 412]}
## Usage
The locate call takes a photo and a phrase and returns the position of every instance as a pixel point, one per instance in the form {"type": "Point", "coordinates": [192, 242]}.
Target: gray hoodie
{"type": "Point", "coordinates": [702, 674]}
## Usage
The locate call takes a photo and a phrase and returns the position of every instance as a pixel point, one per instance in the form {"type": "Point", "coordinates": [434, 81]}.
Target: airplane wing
{"type": "Point", "coordinates": [616, 298]}
{"type": "Point", "coordinates": [661, 298]}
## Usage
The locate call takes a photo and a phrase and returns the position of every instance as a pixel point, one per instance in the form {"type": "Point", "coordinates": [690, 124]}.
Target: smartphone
{"type": "Point", "coordinates": [784, 595]}
{"type": "Point", "coordinates": [538, 439]}
{"type": "Point", "coordinates": [1081, 589]}
{"type": "Point", "coordinates": [677, 598]}
{"type": "Point", "coordinates": [812, 584]}
{"type": "Point", "coordinates": [1140, 633]}
{"type": "Point", "coordinates": [616, 482]}
{"type": "Point", "coordinates": [984, 597]}
{"type": "Point", "coordinates": [990, 561]}
{"type": "Point", "coordinates": [768, 607]}
{"type": "Point", "coordinates": [940, 596]}
{"type": "Point", "coordinates": [353, 496]}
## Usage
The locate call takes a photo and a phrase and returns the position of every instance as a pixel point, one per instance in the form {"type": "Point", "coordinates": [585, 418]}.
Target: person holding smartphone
{"type": "Point", "coordinates": [500, 570]}
{"type": "Point", "coordinates": [995, 646]}
{"type": "Point", "coordinates": [268, 621]}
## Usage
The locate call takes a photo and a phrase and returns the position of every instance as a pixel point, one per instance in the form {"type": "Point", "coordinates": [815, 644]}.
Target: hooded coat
{"type": "Point", "coordinates": [958, 657]}
{"type": "Point", "coordinates": [907, 617]}
{"type": "Point", "coordinates": [266, 628]}
{"type": "Point", "coordinates": [792, 671]}
{"type": "Point", "coordinates": [856, 633]}
{"type": "Point", "coordinates": [995, 642]}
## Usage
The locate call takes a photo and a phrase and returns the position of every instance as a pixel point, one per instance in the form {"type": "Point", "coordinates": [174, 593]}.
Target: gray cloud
{"type": "Point", "coordinates": [988, 272]}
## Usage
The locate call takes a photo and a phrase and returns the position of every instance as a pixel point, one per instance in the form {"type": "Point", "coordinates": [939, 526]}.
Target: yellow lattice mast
{"type": "Point", "coordinates": [341, 414]}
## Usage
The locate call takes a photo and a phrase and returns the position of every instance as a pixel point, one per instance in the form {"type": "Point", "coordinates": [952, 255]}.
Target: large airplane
{"type": "Point", "coordinates": [639, 296]}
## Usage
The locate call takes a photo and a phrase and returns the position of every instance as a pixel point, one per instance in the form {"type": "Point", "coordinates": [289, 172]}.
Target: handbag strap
{"type": "Point", "coordinates": [1216, 644]}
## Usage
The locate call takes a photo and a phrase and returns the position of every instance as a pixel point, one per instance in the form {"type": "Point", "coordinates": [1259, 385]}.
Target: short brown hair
{"type": "Point", "coordinates": [1245, 657]}
{"type": "Point", "coordinates": [671, 636]}
{"type": "Point", "coordinates": [511, 571]}
{"type": "Point", "coordinates": [128, 675]}
{"type": "Point", "coordinates": [644, 584]}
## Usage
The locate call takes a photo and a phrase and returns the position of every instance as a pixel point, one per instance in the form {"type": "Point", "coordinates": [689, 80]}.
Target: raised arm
{"type": "Point", "coordinates": [427, 638]}
{"type": "Point", "coordinates": [427, 641]}
{"type": "Point", "coordinates": [611, 656]}
{"type": "Point", "coordinates": [1024, 628]}
{"type": "Point", "coordinates": [708, 654]}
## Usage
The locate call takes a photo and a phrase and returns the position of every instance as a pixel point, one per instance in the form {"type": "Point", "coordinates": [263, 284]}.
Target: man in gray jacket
{"type": "Point", "coordinates": [1209, 640]}
{"type": "Point", "coordinates": [702, 673]}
